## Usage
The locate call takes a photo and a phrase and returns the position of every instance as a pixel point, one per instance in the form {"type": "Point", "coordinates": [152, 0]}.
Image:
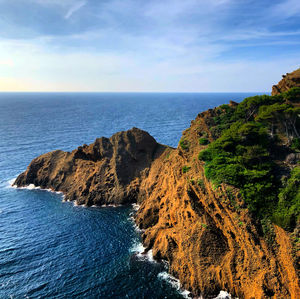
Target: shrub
{"type": "Point", "coordinates": [185, 169]}
{"type": "Point", "coordinates": [240, 158]}
{"type": "Point", "coordinates": [203, 134]}
{"type": "Point", "coordinates": [287, 212]}
{"type": "Point", "coordinates": [203, 141]}
{"type": "Point", "coordinates": [296, 144]}
{"type": "Point", "coordinates": [241, 155]}
{"type": "Point", "coordinates": [184, 144]}
{"type": "Point", "coordinates": [200, 183]}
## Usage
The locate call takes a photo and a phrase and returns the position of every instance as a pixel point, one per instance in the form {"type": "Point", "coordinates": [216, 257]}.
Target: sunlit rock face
{"type": "Point", "coordinates": [207, 234]}
{"type": "Point", "coordinates": [288, 81]}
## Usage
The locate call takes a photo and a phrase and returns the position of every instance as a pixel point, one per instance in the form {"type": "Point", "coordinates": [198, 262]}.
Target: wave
{"type": "Point", "coordinates": [32, 187]}
{"type": "Point", "coordinates": [135, 206]}
{"type": "Point", "coordinates": [110, 205]}
{"type": "Point", "coordinates": [175, 283]}
{"type": "Point", "coordinates": [224, 295]}
{"type": "Point", "coordinates": [140, 252]}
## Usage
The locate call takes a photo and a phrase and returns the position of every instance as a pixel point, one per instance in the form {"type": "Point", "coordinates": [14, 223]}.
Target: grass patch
{"type": "Point", "coordinates": [204, 225]}
{"type": "Point", "coordinates": [184, 144]}
{"type": "Point", "coordinates": [185, 168]}
{"type": "Point", "coordinates": [203, 141]}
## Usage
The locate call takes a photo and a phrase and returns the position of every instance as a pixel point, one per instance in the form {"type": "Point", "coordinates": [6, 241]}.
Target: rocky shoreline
{"type": "Point", "coordinates": [207, 234]}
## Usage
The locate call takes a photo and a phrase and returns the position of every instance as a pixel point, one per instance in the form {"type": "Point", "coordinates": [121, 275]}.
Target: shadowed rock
{"type": "Point", "coordinates": [108, 171]}
{"type": "Point", "coordinates": [209, 238]}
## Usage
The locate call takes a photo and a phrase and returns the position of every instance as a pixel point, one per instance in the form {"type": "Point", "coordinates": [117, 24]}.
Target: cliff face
{"type": "Point", "coordinates": [289, 80]}
{"type": "Point", "coordinates": [108, 171]}
{"type": "Point", "coordinates": [207, 234]}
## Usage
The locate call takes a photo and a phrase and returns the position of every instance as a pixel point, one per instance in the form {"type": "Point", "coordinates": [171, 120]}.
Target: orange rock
{"type": "Point", "coordinates": [207, 235]}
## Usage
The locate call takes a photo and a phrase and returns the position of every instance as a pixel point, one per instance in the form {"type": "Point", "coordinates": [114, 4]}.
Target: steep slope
{"type": "Point", "coordinates": [207, 234]}
{"type": "Point", "coordinates": [210, 218]}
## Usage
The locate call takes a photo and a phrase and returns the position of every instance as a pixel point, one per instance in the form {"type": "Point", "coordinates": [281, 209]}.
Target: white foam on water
{"type": "Point", "coordinates": [175, 283]}
{"type": "Point", "coordinates": [131, 218]}
{"type": "Point", "coordinates": [110, 205]}
{"type": "Point", "coordinates": [11, 183]}
{"type": "Point", "coordinates": [224, 295]}
{"type": "Point", "coordinates": [135, 206]}
{"type": "Point", "coordinates": [33, 187]}
{"type": "Point", "coordinates": [139, 250]}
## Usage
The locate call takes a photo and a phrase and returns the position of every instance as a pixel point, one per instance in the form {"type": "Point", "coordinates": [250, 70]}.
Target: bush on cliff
{"type": "Point", "coordinates": [240, 158]}
{"type": "Point", "coordinates": [184, 144]}
{"type": "Point", "coordinates": [203, 141]}
{"type": "Point", "coordinates": [287, 212]}
{"type": "Point", "coordinates": [243, 154]}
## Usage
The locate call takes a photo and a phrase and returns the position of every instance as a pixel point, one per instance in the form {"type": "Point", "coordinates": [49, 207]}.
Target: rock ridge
{"type": "Point", "coordinates": [207, 234]}
{"type": "Point", "coordinates": [288, 81]}
{"type": "Point", "coordinates": [108, 171]}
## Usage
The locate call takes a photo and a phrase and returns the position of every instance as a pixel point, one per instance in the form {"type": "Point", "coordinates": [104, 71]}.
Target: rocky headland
{"type": "Point", "coordinates": [288, 81]}
{"type": "Point", "coordinates": [206, 229]}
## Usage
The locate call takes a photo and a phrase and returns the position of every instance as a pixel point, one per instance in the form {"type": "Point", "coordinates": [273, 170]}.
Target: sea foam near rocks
{"type": "Point", "coordinates": [139, 251]}
{"type": "Point", "coordinates": [224, 295]}
{"type": "Point", "coordinates": [32, 187]}
{"type": "Point", "coordinates": [175, 283]}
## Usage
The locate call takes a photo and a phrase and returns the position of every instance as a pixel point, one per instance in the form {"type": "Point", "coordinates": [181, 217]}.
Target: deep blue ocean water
{"type": "Point", "coordinates": [51, 249]}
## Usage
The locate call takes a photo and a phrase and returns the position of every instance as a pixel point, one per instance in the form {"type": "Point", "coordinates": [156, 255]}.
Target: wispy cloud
{"type": "Point", "coordinates": [286, 9]}
{"type": "Point", "coordinates": [123, 45]}
{"type": "Point", "coordinates": [76, 7]}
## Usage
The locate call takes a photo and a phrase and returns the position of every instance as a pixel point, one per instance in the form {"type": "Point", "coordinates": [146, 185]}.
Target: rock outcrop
{"type": "Point", "coordinates": [288, 81]}
{"type": "Point", "coordinates": [207, 234]}
{"type": "Point", "coordinates": [108, 171]}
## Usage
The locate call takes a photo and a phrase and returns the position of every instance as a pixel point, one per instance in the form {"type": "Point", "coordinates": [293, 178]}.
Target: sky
{"type": "Point", "coordinates": [147, 45]}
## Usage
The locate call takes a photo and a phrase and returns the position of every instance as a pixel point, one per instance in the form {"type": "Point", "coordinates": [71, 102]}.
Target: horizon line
{"type": "Point", "coordinates": [135, 91]}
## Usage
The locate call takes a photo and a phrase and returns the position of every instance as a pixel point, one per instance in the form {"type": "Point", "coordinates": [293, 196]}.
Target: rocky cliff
{"type": "Point", "coordinates": [289, 80]}
{"type": "Point", "coordinates": [108, 171]}
{"type": "Point", "coordinates": [206, 233]}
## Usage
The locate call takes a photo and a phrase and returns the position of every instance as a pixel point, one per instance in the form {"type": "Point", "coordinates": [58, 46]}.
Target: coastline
{"type": "Point", "coordinates": [137, 248]}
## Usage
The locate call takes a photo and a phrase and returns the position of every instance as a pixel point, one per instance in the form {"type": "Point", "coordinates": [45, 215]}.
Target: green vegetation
{"type": "Point", "coordinates": [201, 184]}
{"type": "Point", "coordinates": [168, 153]}
{"type": "Point", "coordinates": [296, 144]}
{"type": "Point", "coordinates": [185, 169]}
{"type": "Point", "coordinates": [184, 144]}
{"type": "Point", "coordinates": [203, 134]}
{"type": "Point", "coordinates": [204, 225]}
{"type": "Point", "coordinates": [288, 208]}
{"type": "Point", "coordinates": [191, 181]}
{"type": "Point", "coordinates": [203, 141]}
{"type": "Point", "coordinates": [242, 154]}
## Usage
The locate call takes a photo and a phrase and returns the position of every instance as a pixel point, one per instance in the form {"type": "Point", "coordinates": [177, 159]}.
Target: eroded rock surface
{"type": "Point", "coordinates": [211, 241]}
{"type": "Point", "coordinates": [289, 80]}
{"type": "Point", "coordinates": [207, 235]}
{"type": "Point", "coordinates": [108, 171]}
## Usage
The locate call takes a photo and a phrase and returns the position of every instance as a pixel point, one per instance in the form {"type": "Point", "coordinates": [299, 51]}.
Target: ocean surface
{"type": "Point", "coordinates": [53, 249]}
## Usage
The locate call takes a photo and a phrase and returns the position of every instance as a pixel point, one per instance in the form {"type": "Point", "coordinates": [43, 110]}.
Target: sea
{"type": "Point", "coordinates": [53, 249]}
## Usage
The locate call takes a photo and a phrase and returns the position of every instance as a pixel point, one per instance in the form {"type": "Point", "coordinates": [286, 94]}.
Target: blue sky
{"type": "Point", "coordinates": [139, 45]}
